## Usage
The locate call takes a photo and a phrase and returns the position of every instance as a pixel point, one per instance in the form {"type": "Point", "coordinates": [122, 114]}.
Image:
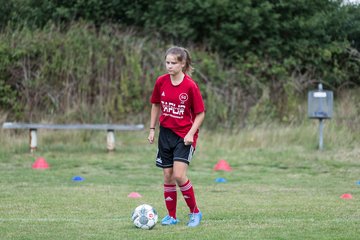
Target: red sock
{"type": "Point", "coordinates": [187, 191]}
{"type": "Point", "coordinates": [170, 196]}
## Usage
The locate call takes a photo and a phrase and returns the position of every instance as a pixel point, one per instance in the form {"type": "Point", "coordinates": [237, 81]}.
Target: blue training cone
{"type": "Point", "coordinates": [78, 179]}
{"type": "Point", "coordinates": [221, 180]}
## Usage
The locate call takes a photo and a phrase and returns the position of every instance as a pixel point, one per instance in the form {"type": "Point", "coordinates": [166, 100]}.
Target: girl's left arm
{"type": "Point", "coordinates": [189, 138]}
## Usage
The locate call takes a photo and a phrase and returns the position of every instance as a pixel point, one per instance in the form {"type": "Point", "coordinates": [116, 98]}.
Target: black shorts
{"type": "Point", "coordinates": [171, 148]}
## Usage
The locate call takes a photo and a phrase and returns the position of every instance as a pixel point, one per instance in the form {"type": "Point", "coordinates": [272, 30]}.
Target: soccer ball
{"type": "Point", "coordinates": [144, 216]}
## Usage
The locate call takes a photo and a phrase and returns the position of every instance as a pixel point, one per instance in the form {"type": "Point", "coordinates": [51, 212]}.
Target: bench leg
{"type": "Point", "coordinates": [33, 140]}
{"type": "Point", "coordinates": [110, 140]}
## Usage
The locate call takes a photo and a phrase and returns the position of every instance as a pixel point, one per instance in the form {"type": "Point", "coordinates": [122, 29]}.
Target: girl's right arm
{"type": "Point", "coordinates": [155, 113]}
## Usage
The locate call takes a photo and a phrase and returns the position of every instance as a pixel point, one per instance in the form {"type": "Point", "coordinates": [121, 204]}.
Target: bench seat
{"type": "Point", "coordinates": [110, 128]}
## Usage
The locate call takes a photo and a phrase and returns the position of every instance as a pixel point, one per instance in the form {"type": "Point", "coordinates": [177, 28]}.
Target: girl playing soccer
{"type": "Point", "coordinates": [178, 105]}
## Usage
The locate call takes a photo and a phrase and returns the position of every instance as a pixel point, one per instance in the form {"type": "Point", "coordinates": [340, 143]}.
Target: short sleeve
{"type": "Point", "coordinates": [155, 96]}
{"type": "Point", "coordinates": [198, 102]}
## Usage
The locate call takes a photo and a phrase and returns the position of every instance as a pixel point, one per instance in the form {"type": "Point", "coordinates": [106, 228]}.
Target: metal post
{"type": "Point", "coordinates": [110, 140]}
{"type": "Point", "coordinates": [321, 121]}
{"type": "Point", "coordinates": [321, 127]}
{"type": "Point", "coordinates": [320, 87]}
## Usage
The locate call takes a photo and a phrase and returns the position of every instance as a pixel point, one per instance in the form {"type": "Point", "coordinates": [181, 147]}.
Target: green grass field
{"type": "Point", "coordinates": [280, 186]}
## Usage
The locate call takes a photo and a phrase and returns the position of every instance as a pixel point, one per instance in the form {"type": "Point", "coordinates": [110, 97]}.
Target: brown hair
{"type": "Point", "coordinates": [182, 54]}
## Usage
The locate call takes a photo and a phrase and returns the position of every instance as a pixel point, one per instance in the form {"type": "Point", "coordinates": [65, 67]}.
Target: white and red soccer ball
{"type": "Point", "coordinates": [144, 216]}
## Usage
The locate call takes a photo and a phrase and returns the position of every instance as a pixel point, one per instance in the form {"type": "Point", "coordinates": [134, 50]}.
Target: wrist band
{"type": "Point", "coordinates": [152, 128]}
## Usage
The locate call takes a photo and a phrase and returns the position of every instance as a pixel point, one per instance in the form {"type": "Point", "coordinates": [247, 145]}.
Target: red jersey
{"type": "Point", "coordinates": [179, 104]}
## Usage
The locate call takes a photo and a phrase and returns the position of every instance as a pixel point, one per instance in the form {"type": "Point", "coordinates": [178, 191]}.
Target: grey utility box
{"type": "Point", "coordinates": [320, 103]}
{"type": "Point", "coordinates": [320, 106]}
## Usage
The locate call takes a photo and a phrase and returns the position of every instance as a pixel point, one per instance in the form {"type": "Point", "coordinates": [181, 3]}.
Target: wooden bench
{"type": "Point", "coordinates": [110, 128]}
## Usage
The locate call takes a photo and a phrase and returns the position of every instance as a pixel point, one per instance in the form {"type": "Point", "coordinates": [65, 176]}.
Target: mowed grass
{"type": "Point", "coordinates": [280, 186]}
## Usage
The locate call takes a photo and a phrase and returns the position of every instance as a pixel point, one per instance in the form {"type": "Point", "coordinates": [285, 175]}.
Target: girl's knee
{"type": "Point", "coordinates": [169, 178]}
{"type": "Point", "coordinates": [180, 179]}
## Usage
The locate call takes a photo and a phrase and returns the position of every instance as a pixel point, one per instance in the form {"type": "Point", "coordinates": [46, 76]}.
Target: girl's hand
{"type": "Point", "coordinates": [188, 139]}
{"type": "Point", "coordinates": [151, 136]}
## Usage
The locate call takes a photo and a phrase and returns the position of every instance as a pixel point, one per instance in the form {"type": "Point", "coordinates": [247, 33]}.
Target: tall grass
{"type": "Point", "coordinates": [106, 74]}
{"type": "Point", "coordinates": [83, 74]}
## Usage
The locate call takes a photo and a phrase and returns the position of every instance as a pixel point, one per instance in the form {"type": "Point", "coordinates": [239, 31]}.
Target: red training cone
{"type": "Point", "coordinates": [40, 163]}
{"type": "Point", "coordinates": [222, 165]}
{"type": "Point", "coordinates": [346, 196]}
{"type": "Point", "coordinates": [134, 195]}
